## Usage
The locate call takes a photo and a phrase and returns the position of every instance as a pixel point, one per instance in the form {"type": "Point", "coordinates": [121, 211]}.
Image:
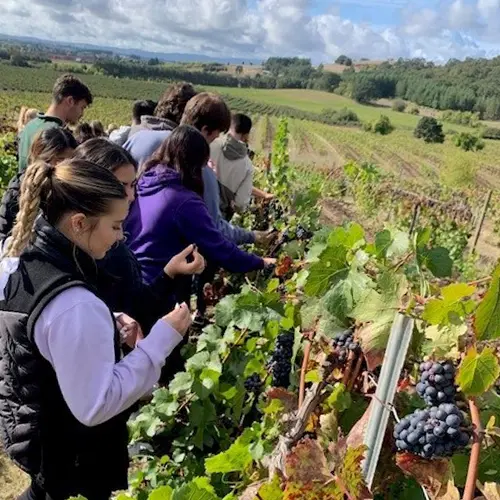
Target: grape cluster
{"type": "Point", "coordinates": [253, 383]}
{"type": "Point", "coordinates": [303, 234]}
{"type": "Point", "coordinates": [436, 383]}
{"type": "Point", "coordinates": [281, 360]}
{"type": "Point", "coordinates": [432, 432]}
{"type": "Point", "coordinates": [343, 343]}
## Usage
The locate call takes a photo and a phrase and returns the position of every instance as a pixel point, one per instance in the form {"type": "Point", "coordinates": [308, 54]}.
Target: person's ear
{"type": "Point", "coordinates": [79, 224]}
{"type": "Point", "coordinates": [70, 101]}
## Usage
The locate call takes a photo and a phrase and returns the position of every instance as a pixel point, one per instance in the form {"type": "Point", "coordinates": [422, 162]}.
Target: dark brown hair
{"type": "Point", "coordinates": [207, 110]}
{"type": "Point", "coordinates": [71, 86]}
{"type": "Point", "coordinates": [50, 143]}
{"type": "Point", "coordinates": [104, 153]}
{"type": "Point", "coordinates": [84, 132]}
{"type": "Point", "coordinates": [173, 102]}
{"type": "Point", "coordinates": [186, 151]}
{"type": "Point", "coordinates": [72, 185]}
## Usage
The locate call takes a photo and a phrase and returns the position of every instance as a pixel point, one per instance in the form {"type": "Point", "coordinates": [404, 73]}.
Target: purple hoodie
{"type": "Point", "coordinates": [166, 217]}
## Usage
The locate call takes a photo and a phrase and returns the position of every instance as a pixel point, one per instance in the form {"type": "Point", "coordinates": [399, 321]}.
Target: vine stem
{"type": "Point", "coordinates": [470, 485]}
{"type": "Point", "coordinates": [480, 281]}
{"type": "Point", "coordinates": [303, 370]}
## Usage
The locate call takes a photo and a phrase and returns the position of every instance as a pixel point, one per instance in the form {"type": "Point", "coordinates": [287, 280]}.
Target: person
{"type": "Point", "coordinates": [145, 139]}
{"type": "Point", "coordinates": [233, 167]}
{"type": "Point", "coordinates": [66, 389]}
{"type": "Point", "coordinates": [209, 114]}
{"type": "Point", "coordinates": [169, 211]}
{"type": "Point", "coordinates": [51, 145]}
{"type": "Point", "coordinates": [70, 98]}
{"type": "Point", "coordinates": [120, 283]}
{"type": "Point", "coordinates": [139, 109]}
{"type": "Point", "coordinates": [25, 116]}
{"type": "Point", "coordinates": [97, 128]}
{"type": "Point", "coordinates": [83, 132]}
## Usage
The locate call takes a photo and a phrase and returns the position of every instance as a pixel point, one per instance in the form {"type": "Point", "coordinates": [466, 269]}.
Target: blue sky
{"type": "Point", "coordinates": [319, 29]}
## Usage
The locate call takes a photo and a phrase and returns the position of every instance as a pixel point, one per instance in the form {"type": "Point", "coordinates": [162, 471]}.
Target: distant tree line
{"type": "Point", "coordinates": [278, 72]}
{"type": "Point", "coordinates": [471, 85]}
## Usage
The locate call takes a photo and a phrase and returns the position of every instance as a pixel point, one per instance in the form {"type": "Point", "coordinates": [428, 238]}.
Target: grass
{"type": "Point", "coordinates": [316, 101]}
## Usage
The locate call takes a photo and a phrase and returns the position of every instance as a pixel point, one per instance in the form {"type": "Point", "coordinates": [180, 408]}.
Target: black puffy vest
{"type": "Point", "coordinates": [37, 428]}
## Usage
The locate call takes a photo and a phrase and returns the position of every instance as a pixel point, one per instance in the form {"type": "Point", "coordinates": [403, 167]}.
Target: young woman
{"type": "Point", "coordinates": [121, 282]}
{"type": "Point", "coordinates": [51, 145]}
{"type": "Point", "coordinates": [169, 211]}
{"type": "Point", "coordinates": [66, 391]}
{"type": "Point", "coordinates": [25, 115]}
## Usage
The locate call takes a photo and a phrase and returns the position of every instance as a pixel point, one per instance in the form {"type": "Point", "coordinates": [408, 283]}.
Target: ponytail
{"type": "Point", "coordinates": [35, 181]}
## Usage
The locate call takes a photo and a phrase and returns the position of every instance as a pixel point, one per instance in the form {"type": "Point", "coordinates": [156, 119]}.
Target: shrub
{"type": "Point", "coordinates": [383, 125]}
{"type": "Point", "coordinates": [413, 110]}
{"type": "Point", "coordinates": [461, 117]}
{"type": "Point", "coordinates": [430, 130]}
{"type": "Point", "coordinates": [342, 116]}
{"type": "Point", "coordinates": [460, 171]}
{"type": "Point", "coordinates": [491, 133]}
{"type": "Point", "coordinates": [468, 142]}
{"type": "Point", "coordinates": [399, 106]}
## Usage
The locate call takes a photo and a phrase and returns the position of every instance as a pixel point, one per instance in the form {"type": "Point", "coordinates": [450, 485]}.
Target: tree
{"type": "Point", "coordinates": [239, 69]}
{"type": "Point", "coordinates": [364, 90]}
{"type": "Point", "coordinates": [154, 61]}
{"type": "Point", "coordinates": [399, 105]}
{"type": "Point", "coordinates": [344, 60]}
{"type": "Point", "coordinates": [430, 130]}
{"type": "Point", "coordinates": [468, 142]}
{"type": "Point", "coordinates": [383, 125]}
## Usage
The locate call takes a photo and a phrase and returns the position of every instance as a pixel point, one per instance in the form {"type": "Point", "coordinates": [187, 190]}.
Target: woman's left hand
{"type": "Point", "coordinates": [178, 264]}
{"type": "Point", "coordinates": [130, 330]}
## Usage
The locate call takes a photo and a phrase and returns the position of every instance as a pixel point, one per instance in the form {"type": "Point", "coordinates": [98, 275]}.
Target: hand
{"type": "Point", "coordinates": [268, 196]}
{"type": "Point", "coordinates": [179, 319]}
{"type": "Point", "coordinates": [130, 330]}
{"type": "Point", "coordinates": [269, 262]}
{"type": "Point", "coordinates": [264, 238]}
{"type": "Point", "coordinates": [178, 264]}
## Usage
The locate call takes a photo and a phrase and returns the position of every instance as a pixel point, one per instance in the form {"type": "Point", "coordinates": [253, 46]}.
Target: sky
{"type": "Point", "coordinates": [319, 29]}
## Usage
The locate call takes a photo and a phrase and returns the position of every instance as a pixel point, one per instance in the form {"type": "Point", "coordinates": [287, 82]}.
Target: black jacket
{"type": "Point", "coordinates": [10, 206]}
{"type": "Point", "coordinates": [38, 430]}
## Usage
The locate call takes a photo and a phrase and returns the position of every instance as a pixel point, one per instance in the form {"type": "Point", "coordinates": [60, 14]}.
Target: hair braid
{"type": "Point", "coordinates": [35, 179]}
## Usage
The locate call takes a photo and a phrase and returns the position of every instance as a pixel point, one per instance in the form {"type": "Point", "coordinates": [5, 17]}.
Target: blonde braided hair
{"type": "Point", "coordinates": [36, 180]}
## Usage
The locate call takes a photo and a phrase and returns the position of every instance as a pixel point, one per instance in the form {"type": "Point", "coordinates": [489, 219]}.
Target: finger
{"type": "Point", "coordinates": [187, 251]}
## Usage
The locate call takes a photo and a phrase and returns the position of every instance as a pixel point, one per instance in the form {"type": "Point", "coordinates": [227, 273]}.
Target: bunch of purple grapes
{"type": "Point", "coordinates": [253, 383]}
{"type": "Point", "coordinates": [436, 383]}
{"type": "Point", "coordinates": [343, 343]}
{"type": "Point", "coordinates": [281, 361]}
{"type": "Point", "coordinates": [438, 431]}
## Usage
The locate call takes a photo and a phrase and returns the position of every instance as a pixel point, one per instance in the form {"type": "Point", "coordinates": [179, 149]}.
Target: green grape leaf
{"type": "Point", "coordinates": [161, 493]}
{"type": "Point", "coordinates": [383, 241]}
{"type": "Point", "coordinates": [478, 372]}
{"type": "Point", "coordinates": [350, 471]}
{"type": "Point", "coordinates": [235, 459]}
{"type": "Point", "coordinates": [328, 270]}
{"type": "Point", "coordinates": [343, 297]}
{"type": "Point", "coordinates": [487, 318]}
{"type": "Point", "coordinates": [313, 376]}
{"type": "Point", "coordinates": [224, 311]}
{"type": "Point", "coordinates": [378, 310]}
{"type": "Point", "coordinates": [399, 245]}
{"type": "Point", "coordinates": [437, 260]}
{"type": "Point", "coordinates": [192, 491]}
{"type": "Point", "coordinates": [443, 342]}
{"type": "Point", "coordinates": [451, 307]}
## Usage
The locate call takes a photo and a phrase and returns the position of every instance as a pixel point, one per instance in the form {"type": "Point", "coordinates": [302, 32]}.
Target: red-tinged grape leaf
{"type": "Point", "coordinates": [350, 473]}
{"type": "Point", "coordinates": [289, 399]}
{"type": "Point", "coordinates": [263, 490]}
{"type": "Point", "coordinates": [431, 474]}
{"type": "Point", "coordinates": [487, 317]}
{"type": "Point", "coordinates": [478, 371]}
{"type": "Point", "coordinates": [373, 355]}
{"type": "Point", "coordinates": [307, 463]}
{"type": "Point", "coordinates": [313, 491]}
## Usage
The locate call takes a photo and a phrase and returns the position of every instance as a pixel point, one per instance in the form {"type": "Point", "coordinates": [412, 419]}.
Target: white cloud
{"type": "Point", "coordinates": [231, 28]}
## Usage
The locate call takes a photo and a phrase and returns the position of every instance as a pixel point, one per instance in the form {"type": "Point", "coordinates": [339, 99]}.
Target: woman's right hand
{"type": "Point", "coordinates": [179, 319]}
{"type": "Point", "coordinates": [268, 262]}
